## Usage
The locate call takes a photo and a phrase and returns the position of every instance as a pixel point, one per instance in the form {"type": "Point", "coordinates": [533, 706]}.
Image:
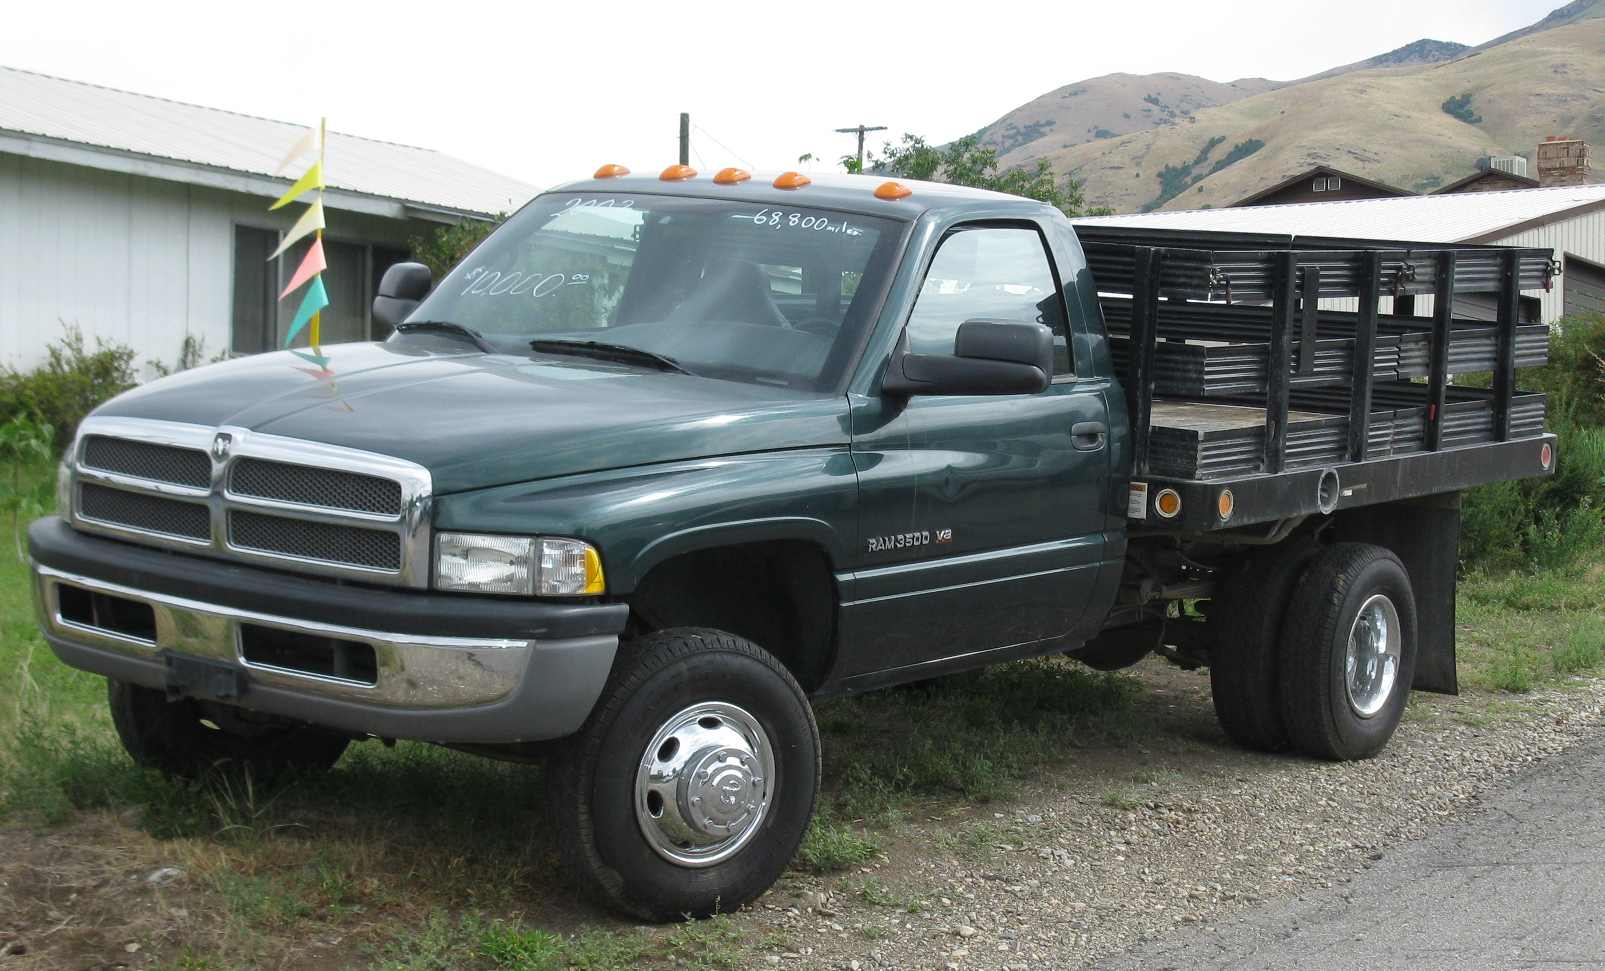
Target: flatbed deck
{"type": "Point", "coordinates": [1243, 375]}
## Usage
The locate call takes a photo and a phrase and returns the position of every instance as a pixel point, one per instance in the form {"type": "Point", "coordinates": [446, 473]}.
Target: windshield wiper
{"type": "Point", "coordinates": [609, 352]}
{"type": "Point", "coordinates": [447, 327]}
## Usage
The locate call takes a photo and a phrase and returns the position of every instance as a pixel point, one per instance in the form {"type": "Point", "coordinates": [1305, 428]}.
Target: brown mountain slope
{"type": "Point", "coordinates": [1386, 124]}
{"type": "Point", "coordinates": [1115, 104]}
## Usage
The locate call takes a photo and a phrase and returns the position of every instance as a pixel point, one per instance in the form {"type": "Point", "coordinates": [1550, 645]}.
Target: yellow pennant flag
{"type": "Point", "coordinates": [313, 179]}
{"type": "Point", "coordinates": [310, 222]}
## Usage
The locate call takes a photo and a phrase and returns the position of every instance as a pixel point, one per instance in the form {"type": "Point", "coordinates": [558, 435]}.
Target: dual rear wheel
{"type": "Point", "coordinates": [1315, 650]}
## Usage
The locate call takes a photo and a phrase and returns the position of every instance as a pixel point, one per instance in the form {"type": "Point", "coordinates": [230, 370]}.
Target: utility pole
{"type": "Point", "coordinates": [685, 138]}
{"type": "Point", "coordinates": [859, 130]}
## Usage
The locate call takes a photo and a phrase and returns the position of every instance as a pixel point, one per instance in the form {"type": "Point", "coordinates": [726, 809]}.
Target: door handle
{"type": "Point", "coordinates": [1088, 436]}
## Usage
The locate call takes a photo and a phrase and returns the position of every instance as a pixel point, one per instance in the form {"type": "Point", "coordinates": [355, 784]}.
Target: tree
{"type": "Point", "coordinates": [968, 162]}
{"type": "Point", "coordinates": [444, 248]}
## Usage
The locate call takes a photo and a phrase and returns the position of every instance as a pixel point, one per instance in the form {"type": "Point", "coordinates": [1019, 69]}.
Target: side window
{"type": "Point", "coordinates": [995, 272]}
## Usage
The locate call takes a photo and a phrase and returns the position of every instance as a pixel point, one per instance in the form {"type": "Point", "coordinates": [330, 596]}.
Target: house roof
{"type": "Point", "coordinates": [1467, 217]}
{"type": "Point", "coordinates": [1382, 187]}
{"type": "Point", "coordinates": [1526, 181]}
{"type": "Point", "coordinates": [86, 124]}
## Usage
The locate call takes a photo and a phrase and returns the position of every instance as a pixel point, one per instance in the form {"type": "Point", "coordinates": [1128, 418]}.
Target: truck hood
{"type": "Point", "coordinates": [477, 420]}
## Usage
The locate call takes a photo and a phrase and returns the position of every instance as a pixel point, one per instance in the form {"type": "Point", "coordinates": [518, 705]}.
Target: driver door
{"type": "Point", "coordinates": [981, 516]}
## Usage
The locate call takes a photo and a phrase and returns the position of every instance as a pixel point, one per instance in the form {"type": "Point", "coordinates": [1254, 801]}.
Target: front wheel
{"type": "Point", "coordinates": [1350, 652]}
{"type": "Point", "coordinates": [690, 787]}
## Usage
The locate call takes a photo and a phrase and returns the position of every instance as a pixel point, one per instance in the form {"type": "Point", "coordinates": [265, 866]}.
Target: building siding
{"type": "Point", "coordinates": [129, 259]}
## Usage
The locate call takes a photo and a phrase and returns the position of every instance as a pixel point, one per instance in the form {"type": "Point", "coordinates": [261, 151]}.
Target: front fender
{"type": "Point", "coordinates": [640, 517]}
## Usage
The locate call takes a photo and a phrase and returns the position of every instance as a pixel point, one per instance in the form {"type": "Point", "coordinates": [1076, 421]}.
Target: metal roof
{"type": "Point", "coordinates": [102, 127]}
{"type": "Point", "coordinates": [1473, 217]}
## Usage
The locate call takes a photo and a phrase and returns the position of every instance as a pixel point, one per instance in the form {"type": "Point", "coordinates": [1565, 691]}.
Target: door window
{"type": "Point", "coordinates": [1000, 273]}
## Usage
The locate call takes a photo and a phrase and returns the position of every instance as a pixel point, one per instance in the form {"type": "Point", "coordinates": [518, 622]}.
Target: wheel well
{"type": "Point", "coordinates": [779, 594]}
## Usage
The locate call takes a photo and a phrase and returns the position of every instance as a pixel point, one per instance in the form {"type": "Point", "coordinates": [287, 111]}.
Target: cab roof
{"type": "Point", "coordinates": [851, 193]}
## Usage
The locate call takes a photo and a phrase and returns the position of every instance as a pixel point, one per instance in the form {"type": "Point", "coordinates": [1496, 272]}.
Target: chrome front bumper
{"type": "Point", "coordinates": [435, 688]}
{"type": "Point", "coordinates": [412, 672]}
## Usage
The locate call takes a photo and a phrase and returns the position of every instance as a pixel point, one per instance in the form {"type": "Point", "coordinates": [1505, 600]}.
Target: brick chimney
{"type": "Point", "coordinates": [1562, 161]}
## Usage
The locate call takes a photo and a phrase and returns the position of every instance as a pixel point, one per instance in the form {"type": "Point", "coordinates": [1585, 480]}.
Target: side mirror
{"type": "Point", "coordinates": [989, 357]}
{"type": "Point", "coordinates": [401, 289]}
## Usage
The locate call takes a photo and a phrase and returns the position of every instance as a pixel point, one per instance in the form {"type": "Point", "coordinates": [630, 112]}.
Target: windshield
{"type": "Point", "coordinates": [771, 294]}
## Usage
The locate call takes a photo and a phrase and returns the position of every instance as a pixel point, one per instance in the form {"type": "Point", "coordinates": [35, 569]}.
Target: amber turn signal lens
{"type": "Point", "coordinates": [610, 171]}
{"type": "Point", "coordinates": [1225, 503]}
{"type": "Point", "coordinates": [1168, 503]}
{"type": "Point", "coordinates": [892, 191]}
{"type": "Point", "coordinates": [791, 180]}
{"type": "Point", "coordinates": [678, 173]}
{"type": "Point", "coordinates": [731, 176]}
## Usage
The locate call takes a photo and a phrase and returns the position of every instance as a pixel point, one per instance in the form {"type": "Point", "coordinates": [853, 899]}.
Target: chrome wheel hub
{"type": "Point", "coordinates": [1371, 662]}
{"type": "Point", "coordinates": [704, 785]}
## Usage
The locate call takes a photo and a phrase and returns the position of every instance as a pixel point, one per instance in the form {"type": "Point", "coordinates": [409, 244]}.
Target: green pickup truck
{"type": "Point", "coordinates": [666, 458]}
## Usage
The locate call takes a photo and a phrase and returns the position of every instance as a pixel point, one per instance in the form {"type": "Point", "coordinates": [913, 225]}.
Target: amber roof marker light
{"type": "Point", "coordinates": [678, 173]}
{"type": "Point", "coordinates": [892, 191]}
{"type": "Point", "coordinates": [731, 176]}
{"type": "Point", "coordinates": [791, 180]}
{"type": "Point", "coordinates": [611, 171]}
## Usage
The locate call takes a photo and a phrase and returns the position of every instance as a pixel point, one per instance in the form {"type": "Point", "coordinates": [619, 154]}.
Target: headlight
{"type": "Point", "coordinates": [474, 563]}
{"type": "Point", "coordinates": [64, 491]}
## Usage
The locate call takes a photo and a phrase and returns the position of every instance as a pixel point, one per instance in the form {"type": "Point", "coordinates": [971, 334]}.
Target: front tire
{"type": "Point", "coordinates": [690, 787]}
{"type": "Point", "coordinates": [175, 737]}
{"type": "Point", "coordinates": [1350, 653]}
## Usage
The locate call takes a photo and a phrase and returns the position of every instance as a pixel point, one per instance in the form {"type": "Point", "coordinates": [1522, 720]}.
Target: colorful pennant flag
{"type": "Point", "coordinates": [311, 179]}
{"type": "Point", "coordinates": [315, 300]}
{"type": "Point", "coordinates": [311, 221]}
{"type": "Point", "coordinates": [311, 265]}
{"type": "Point", "coordinates": [310, 273]}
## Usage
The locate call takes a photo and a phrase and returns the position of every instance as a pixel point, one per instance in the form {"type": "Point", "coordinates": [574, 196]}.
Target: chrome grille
{"type": "Point", "coordinates": [375, 549]}
{"type": "Point", "coordinates": [151, 514]}
{"type": "Point", "coordinates": [161, 463]}
{"type": "Point", "coordinates": [307, 486]}
{"type": "Point", "coordinates": [241, 495]}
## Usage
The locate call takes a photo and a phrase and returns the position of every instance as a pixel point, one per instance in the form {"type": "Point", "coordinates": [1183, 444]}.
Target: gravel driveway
{"type": "Point", "coordinates": [1178, 833]}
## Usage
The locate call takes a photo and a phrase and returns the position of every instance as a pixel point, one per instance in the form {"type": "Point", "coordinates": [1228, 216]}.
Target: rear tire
{"type": "Point", "coordinates": [1350, 653]}
{"type": "Point", "coordinates": [1245, 659]}
{"type": "Point", "coordinates": [173, 737]}
{"type": "Point", "coordinates": [690, 787]}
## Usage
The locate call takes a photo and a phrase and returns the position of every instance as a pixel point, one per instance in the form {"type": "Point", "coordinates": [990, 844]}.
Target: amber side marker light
{"type": "Point", "coordinates": [1168, 503]}
{"type": "Point", "coordinates": [731, 176]}
{"type": "Point", "coordinates": [892, 191]}
{"type": "Point", "coordinates": [678, 173]}
{"type": "Point", "coordinates": [1225, 504]}
{"type": "Point", "coordinates": [611, 171]}
{"type": "Point", "coordinates": [791, 180]}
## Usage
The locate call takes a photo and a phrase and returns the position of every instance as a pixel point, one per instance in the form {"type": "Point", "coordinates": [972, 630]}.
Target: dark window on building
{"type": "Point", "coordinates": [991, 272]}
{"type": "Point", "coordinates": [1320, 183]}
{"type": "Point", "coordinates": [1333, 184]}
{"type": "Point", "coordinates": [254, 321]}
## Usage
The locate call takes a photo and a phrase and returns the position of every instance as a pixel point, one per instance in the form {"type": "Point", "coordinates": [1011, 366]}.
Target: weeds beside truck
{"type": "Point", "coordinates": [664, 459]}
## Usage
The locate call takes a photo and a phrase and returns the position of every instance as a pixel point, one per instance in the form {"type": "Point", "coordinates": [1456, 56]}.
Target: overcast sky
{"type": "Point", "coordinates": [546, 91]}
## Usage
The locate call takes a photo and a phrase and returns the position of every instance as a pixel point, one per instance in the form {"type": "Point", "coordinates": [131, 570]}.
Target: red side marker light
{"type": "Point", "coordinates": [611, 171]}
{"type": "Point", "coordinates": [791, 180]}
{"type": "Point", "coordinates": [1546, 455]}
{"type": "Point", "coordinates": [678, 173]}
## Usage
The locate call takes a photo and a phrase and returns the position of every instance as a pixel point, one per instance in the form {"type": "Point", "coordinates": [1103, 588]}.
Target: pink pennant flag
{"type": "Point", "coordinates": [311, 265]}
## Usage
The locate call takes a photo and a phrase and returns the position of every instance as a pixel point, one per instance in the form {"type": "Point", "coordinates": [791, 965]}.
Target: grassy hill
{"type": "Point", "coordinates": [1205, 143]}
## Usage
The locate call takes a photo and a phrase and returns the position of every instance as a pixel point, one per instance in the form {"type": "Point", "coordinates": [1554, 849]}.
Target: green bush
{"type": "Point", "coordinates": [1553, 521]}
{"type": "Point", "coordinates": [68, 386]}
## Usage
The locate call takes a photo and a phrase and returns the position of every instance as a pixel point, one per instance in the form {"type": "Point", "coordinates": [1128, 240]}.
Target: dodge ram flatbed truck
{"type": "Point", "coordinates": [666, 458]}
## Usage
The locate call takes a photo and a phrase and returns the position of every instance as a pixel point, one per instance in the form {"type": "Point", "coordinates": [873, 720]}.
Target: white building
{"type": "Point", "coordinates": [142, 220]}
{"type": "Point", "coordinates": [1568, 219]}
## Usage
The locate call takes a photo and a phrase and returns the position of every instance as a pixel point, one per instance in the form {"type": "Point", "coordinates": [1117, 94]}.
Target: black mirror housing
{"type": "Point", "coordinates": [401, 289]}
{"type": "Point", "coordinates": [990, 357]}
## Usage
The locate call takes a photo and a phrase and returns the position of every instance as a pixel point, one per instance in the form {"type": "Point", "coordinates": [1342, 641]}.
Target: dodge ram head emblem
{"type": "Point", "coordinates": [221, 445]}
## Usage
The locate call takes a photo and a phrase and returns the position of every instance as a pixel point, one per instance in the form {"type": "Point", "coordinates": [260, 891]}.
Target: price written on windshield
{"type": "Point", "coordinates": [805, 222]}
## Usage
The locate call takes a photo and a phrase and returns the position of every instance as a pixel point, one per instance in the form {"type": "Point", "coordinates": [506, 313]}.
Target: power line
{"type": "Point", "coordinates": [732, 152]}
